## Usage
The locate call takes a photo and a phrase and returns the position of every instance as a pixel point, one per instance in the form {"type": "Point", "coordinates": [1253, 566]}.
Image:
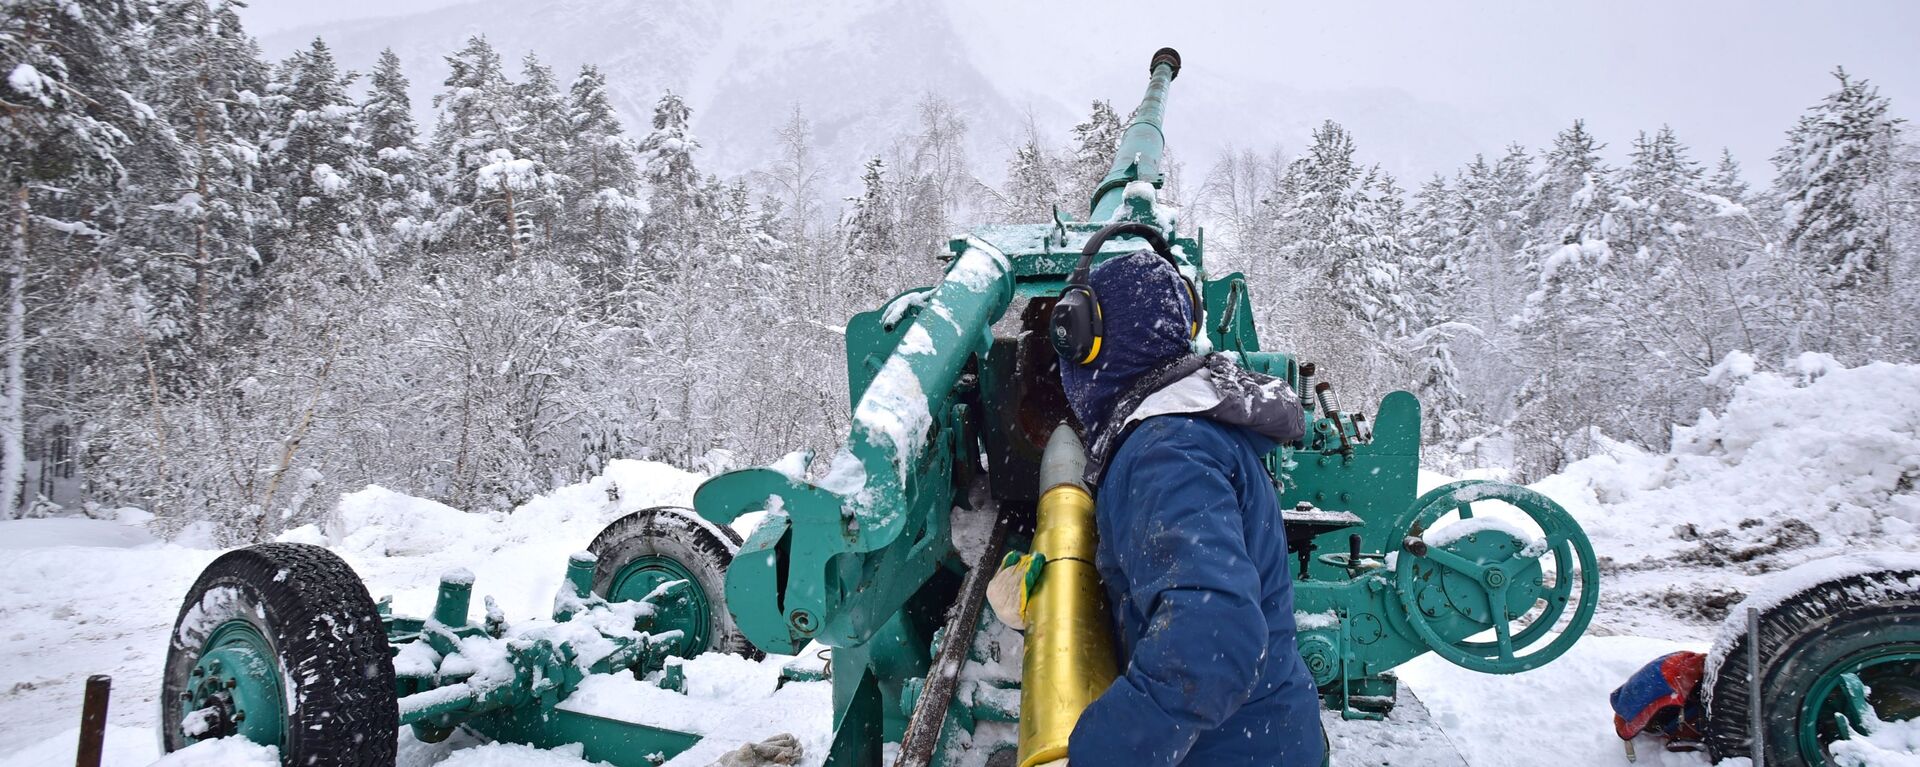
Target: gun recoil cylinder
{"type": "Point", "coordinates": [1306, 383]}
{"type": "Point", "coordinates": [1323, 392]}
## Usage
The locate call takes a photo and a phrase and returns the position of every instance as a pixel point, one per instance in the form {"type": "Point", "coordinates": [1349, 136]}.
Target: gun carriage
{"type": "Point", "coordinates": [956, 404]}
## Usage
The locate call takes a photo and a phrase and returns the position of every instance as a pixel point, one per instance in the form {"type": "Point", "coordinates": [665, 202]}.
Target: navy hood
{"type": "Point", "coordinates": [1147, 318]}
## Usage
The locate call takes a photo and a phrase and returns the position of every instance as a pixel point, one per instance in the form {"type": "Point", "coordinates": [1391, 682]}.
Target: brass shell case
{"type": "Point", "coordinates": [1069, 657]}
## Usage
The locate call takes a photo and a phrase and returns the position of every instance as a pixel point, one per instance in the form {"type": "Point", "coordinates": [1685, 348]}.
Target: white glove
{"type": "Point", "coordinates": [779, 749]}
{"type": "Point", "coordinates": [1003, 594]}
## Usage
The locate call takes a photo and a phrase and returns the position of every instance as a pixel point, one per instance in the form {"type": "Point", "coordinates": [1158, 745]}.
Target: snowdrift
{"type": "Point", "coordinates": [1799, 464]}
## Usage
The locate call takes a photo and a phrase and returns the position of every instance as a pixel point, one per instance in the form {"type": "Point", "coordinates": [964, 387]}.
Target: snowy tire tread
{"type": "Point", "coordinates": [1794, 633]}
{"type": "Point", "coordinates": [678, 533]}
{"type": "Point", "coordinates": [328, 641]}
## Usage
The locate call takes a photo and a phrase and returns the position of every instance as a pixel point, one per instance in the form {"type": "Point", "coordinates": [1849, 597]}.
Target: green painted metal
{"type": "Point", "coordinates": [1143, 144]}
{"type": "Point", "coordinates": [641, 578]}
{"type": "Point", "coordinates": [1491, 579]}
{"type": "Point", "coordinates": [547, 665]}
{"type": "Point", "coordinates": [851, 559]}
{"type": "Point", "coordinates": [860, 543]}
{"type": "Point", "coordinates": [1364, 617]}
{"type": "Point", "coordinates": [237, 675]}
{"type": "Point", "coordinates": [615, 742]}
{"type": "Point", "coordinates": [1845, 700]}
{"type": "Point", "coordinates": [450, 606]}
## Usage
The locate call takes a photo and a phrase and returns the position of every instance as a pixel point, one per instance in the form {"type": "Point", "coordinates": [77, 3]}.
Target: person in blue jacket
{"type": "Point", "coordinates": [1192, 549]}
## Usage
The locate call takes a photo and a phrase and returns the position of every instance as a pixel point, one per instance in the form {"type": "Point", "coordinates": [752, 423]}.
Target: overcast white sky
{"type": "Point", "coordinates": [1721, 72]}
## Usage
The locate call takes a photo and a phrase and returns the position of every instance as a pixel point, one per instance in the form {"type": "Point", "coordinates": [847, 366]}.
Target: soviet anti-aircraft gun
{"type": "Point", "coordinates": [955, 395]}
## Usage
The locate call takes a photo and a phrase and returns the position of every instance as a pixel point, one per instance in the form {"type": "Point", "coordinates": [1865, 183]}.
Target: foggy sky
{"type": "Point", "coordinates": [1722, 73]}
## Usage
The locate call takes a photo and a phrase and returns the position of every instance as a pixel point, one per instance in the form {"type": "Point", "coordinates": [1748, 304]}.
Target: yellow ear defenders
{"type": "Point", "coordinates": [1076, 327]}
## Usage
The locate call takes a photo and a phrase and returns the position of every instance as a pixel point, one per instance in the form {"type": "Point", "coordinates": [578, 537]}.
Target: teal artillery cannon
{"type": "Point", "coordinates": [882, 552]}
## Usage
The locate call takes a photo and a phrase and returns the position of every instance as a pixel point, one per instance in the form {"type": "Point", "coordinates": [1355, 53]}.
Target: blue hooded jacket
{"type": "Point", "coordinates": [1192, 549]}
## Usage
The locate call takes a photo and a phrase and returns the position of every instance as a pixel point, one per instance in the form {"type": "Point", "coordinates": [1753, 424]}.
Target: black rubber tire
{"type": "Point", "coordinates": [1800, 640]}
{"type": "Point", "coordinates": [326, 637]}
{"type": "Point", "coordinates": [677, 533]}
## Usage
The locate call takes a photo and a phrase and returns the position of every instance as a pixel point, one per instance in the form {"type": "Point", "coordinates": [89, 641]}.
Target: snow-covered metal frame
{"type": "Point", "coordinates": [508, 684]}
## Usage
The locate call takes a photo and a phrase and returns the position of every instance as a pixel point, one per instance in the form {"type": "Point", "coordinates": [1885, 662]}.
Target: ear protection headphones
{"type": "Point", "coordinates": [1076, 327]}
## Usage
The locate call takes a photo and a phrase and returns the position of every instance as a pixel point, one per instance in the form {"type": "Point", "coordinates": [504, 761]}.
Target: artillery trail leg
{"type": "Point", "coordinates": [930, 712]}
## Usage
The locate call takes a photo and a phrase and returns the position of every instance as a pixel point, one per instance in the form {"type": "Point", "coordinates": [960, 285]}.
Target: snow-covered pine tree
{"type": "Point", "coordinates": [677, 198]}
{"type": "Point", "coordinates": [1432, 284]}
{"type": "Point", "coordinates": [1386, 253]}
{"type": "Point", "coordinates": [397, 191]}
{"type": "Point", "coordinates": [1563, 328]}
{"type": "Point", "coordinates": [1094, 141]}
{"type": "Point", "coordinates": [1494, 200]}
{"type": "Point", "coordinates": [543, 114]}
{"type": "Point", "coordinates": [869, 227]}
{"type": "Point", "coordinates": [1659, 199]}
{"type": "Point", "coordinates": [198, 216]}
{"type": "Point", "coordinates": [1325, 204]}
{"type": "Point", "coordinates": [318, 169]}
{"type": "Point", "coordinates": [64, 118]}
{"type": "Point", "coordinates": [1570, 216]}
{"type": "Point", "coordinates": [1323, 239]}
{"type": "Point", "coordinates": [604, 212]}
{"type": "Point", "coordinates": [1677, 329]}
{"type": "Point", "coordinates": [1833, 177]}
{"type": "Point", "coordinates": [1726, 181]}
{"type": "Point", "coordinates": [479, 169]}
{"type": "Point", "coordinates": [1437, 235]}
{"type": "Point", "coordinates": [1032, 191]}
{"type": "Point", "coordinates": [543, 136]}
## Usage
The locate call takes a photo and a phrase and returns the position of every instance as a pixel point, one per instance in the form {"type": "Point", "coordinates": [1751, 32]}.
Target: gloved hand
{"type": "Point", "coordinates": [1003, 594]}
{"type": "Point", "coordinates": [779, 749]}
{"type": "Point", "coordinates": [1007, 592]}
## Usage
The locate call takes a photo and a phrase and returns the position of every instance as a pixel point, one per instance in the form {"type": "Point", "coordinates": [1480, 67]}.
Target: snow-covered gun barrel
{"type": "Point", "coordinates": [881, 550]}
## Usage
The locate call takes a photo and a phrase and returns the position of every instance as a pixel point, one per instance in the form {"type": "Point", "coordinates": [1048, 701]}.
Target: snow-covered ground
{"type": "Point", "coordinates": [1797, 467]}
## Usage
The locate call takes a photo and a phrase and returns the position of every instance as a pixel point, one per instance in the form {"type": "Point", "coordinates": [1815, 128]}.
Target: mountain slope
{"type": "Point", "coordinates": [858, 69]}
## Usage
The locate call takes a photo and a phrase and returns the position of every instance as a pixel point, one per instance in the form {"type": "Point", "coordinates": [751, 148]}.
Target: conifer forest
{"type": "Point", "coordinates": [237, 287]}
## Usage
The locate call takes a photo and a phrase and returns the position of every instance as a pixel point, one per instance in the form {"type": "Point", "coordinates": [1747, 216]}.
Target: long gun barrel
{"type": "Point", "coordinates": [1143, 146]}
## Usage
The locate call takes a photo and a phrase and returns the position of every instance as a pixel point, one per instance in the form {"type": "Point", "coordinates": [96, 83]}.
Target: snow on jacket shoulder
{"type": "Point", "coordinates": [1194, 558]}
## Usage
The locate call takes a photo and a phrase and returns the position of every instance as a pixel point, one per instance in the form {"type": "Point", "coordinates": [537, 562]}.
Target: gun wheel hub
{"type": "Point", "coordinates": [685, 607]}
{"type": "Point", "coordinates": [235, 688]}
{"type": "Point", "coordinates": [1852, 697]}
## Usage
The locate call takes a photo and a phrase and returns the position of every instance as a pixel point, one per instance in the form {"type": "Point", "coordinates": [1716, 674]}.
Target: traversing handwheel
{"type": "Point", "coordinates": [1484, 572]}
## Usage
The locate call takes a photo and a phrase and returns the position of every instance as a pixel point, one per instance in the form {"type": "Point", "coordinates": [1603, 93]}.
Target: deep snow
{"type": "Point", "coordinates": [1798, 466]}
